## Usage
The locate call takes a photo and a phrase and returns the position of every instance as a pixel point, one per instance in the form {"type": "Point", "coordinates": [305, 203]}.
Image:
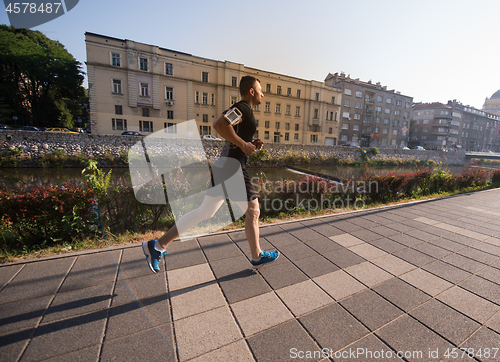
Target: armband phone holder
{"type": "Point", "coordinates": [233, 116]}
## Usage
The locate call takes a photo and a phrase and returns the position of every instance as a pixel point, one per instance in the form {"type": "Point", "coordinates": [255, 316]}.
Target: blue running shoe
{"type": "Point", "coordinates": [153, 256]}
{"type": "Point", "coordinates": [265, 257]}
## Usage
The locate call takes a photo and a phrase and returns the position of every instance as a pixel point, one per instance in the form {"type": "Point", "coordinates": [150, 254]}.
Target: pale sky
{"type": "Point", "coordinates": [432, 50]}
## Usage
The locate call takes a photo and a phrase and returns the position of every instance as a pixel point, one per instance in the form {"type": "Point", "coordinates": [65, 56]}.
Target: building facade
{"type": "Point", "coordinates": [145, 88]}
{"type": "Point", "coordinates": [371, 115]}
{"type": "Point", "coordinates": [438, 126]}
{"type": "Point", "coordinates": [492, 105]}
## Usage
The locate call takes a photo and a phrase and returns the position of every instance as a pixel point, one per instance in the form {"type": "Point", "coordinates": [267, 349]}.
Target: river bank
{"type": "Point", "coordinates": [37, 149]}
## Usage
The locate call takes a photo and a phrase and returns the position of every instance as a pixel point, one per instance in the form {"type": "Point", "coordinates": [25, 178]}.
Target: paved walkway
{"type": "Point", "coordinates": [417, 280]}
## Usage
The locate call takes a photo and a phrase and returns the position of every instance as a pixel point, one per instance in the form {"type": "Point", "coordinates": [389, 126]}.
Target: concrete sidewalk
{"type": "Point", "coordinates": [419, 280]}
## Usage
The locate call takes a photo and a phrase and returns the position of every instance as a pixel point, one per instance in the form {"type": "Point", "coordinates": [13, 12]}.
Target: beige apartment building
{"type": "Point", "coordinates": [145, 88]}
{"type": "Point", "coordinates": [371, 115]}
{"type": "Point", "coordinates": [492, 104]}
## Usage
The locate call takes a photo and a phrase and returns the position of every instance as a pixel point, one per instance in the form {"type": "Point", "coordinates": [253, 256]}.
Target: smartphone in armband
{"type": "Point", "coordinates": [233, 116]}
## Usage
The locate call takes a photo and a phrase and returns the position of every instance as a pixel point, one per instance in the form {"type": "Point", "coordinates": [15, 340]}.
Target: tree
{"type": "Point", "coordinates": [40, 81]}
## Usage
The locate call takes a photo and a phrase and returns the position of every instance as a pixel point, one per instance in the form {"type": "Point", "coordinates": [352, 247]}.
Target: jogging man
{"type": "Point", "coordinates": [239, 145]}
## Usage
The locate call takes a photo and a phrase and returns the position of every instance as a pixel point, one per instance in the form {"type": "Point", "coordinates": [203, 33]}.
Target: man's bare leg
{"type": "Point", "coordinates": [252, 228]}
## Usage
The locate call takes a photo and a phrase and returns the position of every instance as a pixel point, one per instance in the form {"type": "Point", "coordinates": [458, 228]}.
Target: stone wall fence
{"type": "Point", "coordinates": [34, 144]}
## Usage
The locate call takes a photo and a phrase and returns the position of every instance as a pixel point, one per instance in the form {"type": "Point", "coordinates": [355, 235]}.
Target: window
{"type": "Point", "coordinates": [204, 77]}
{"type": "Point", "coordinates": [257, 108]}
{"type": "Point", "coordinates": [347, 103]}
{"type": "Point", "coordinates": [396, 123]}
{"type": "Point", "coordinates": [145, 112]}
{"type": "Point", "coordinates": [297, 111]}
{"type": "Point", "coordinates": [169, 93]}
{"type": "Point", "coordinates": [213, 99]}
{"type": "Point", "coordinates": [388, 100]}
{"type": "Point", "coordinates": [395, 132]}
{"type": "Point", "coordinates": [233, 100]}
{"type": "Point", "coordinates": [317, 97]}
{"type": "Point", "coordinates": [268, 88]}
{"type": "Point", "coordinates": [385, 131]}
{"type": "Point", "coordinates": [287, 126]}
{"type": "Point", "coordinates": [169, 69]}
{"type": "Point", "coordinates": [407, 104]}
{"type": "Point", "coordinates": [397, 112]}
{"type": "Point", "coordinates": [145, 126]}
{"type": "Point", "coordinates": [348, 91]}
{"type": "Point", "coordinates": [277, 125]}
{"type": "Point", "coordinates": [278, 90]}
{"type": "Point", "coordinates": [115, 59]}
{"type": "Point", "coordinates": [355, 127]}
{"type": "Point", "coordinates": [314, 138]}
{"type": "Point", "coordinates": [398, 102]}
{"type": "Point", "coordinates": [289, 92]}
{"type": "Point", "coordinates": [287, 136]}
{"type": "Point", "coordinates": [119, 124]}
{"type": "Point", "coordinates": [296, 137]}
{"type": "Point", "coordinates": [170, 127]}
{"type": "Point", "coordinates": [288, 109]}
{"type": "Point", "coordinates": [357, 116]}
{"type": "Point", "coordinates": [117, 86]}
{"type": "Point", "coordinates": [330, 130]}
{"type": "Point", "coordinates": [359, 94]}
{"type": "Point", "coordinates": [266, 124]}
{"type": "Point", "coordinates": [345, 126]}
{"type": "Point", "coordinates": [170, 115]}
{"type": "Point", "coordinates": [358, 106]}
{"type": "Point", "coordinates": [118, 110]}
{"type": "Point", "coordinates": [378, 109]}
{"type": "Point", "coordinates": [386, 121]}
{"type": "Point", "coordinates": [298, 93]}
{"type": "Point", "coordinates": [268, 107]}
{"type": "Point", "coordinates": [316, 111]}
{"type": "Point", "coordinates": [205, 98]}
{"type": "Point", "coordinates": [143, 64]}
{"type": "Point", "coordinates": [234, 81]}
{"type": "Point", "coordinates": [144, 89]}
{"type": "Point", "coordinates": [266, 135]}
{"type": "Point", "coordinates": [296, 127]}
{"type": "Point", "coordinates": [333, 100]}
{"type": "Point", "coordinates": [205, 118]}
{"type": "Point", "coordinates": [196, 97]}
{"type": "Point", "coordinates": [380, 98]}
{"type": "Point", "coordinates": [387, 111]}
{"type": "Point", "coordinates": [278, 108]}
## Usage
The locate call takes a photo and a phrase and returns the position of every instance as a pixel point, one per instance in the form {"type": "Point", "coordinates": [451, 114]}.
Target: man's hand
{"type": "Point", "coordinates": [248, 148]}
{"type": "Point", "coordinates": [258, 144]}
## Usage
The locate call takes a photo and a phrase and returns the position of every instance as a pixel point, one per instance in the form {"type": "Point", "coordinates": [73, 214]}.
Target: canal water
{"type": "Point", "coordinates": [16, 177]}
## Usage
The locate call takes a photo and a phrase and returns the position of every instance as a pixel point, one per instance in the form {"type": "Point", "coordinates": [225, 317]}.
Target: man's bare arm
{"type": "Point", "coordinates": [226, 131]}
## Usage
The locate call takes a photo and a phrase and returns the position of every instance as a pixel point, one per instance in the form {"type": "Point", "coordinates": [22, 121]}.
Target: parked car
{"type": "Point", "coordinates": [405, 148]}
{"type": "Point", "coordinates": [29, 128]}
{"type": "Point", "coordinates": [355, 145]}
{"type": "Point", "coordinates": [210, 138]}
{"type": "Point", "coordinates": [420, 148]}
{"type": "Point", "coordinates": [60, 130]}
{"type": "Point", "coordinates": [131, 133]}
{"type": "Point", "coordinates": [3, 126]}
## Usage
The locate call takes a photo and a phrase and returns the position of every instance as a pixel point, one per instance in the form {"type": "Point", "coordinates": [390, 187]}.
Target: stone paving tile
{"type": "Point", "coordinates": [422, 235]}
{"type": "Point", "coordinates": [133, 346]}
{"type": "Point", "coordinates": [494, 323]}
{"type": "Point", "coordinates": [324, 326]}
{"type": "Point", "coordinates": [183, 254]}
{"type": "Point", "coordinates": [371, 309]}
{"type": "Point", "coordinates": [480, 341]}
{"type": "Point", "coordinates": [232, 267]}
{"type": "Point", "coordinates": [346, 226]}
{"type": "Point", "coordinates": [306, 234]}
{"type": "Point", "coordinates": [464, 263]}
{"type": "Point", "coordinates": [86, 354]}
{"type": "Point", "coordinates": [435, 231]}
{"type": "Point", "coordinates": [432, 250]}
{"type": "Point", "coordinates": [447, 271]}
{"type": "Point", "coordinates": [280, 240]}
{"type": "Point", "coordinates": [244, 285]}
{"type": "Point", "coordinates": [259, 313]}
{"type": "Point", "coordinates": [478, 255]}
{"type": "Point", "coordinates": [48, 276]}
{"type": "Point", "coordinates": [346, 240]}
{"type": "Point", "coordinates": [469, 304]}
{"type": "Point", "coordinates": [190, 276]}
{"type": "Point", "coordinates": [487, 248]}
{"type": "Point", "coordinates": [315, 266]}
{"type": "Point", "coordinates": [343, 258]}
{"type": "Point", "coordinates": [405, 239]}
{"type": "Point", "coordinates": [13, 344]}
{"type": "Point", "coordinates": [65, 336]}
{"type": "Point", "coordinates": [482, 287]}
{"type": "Point", "coordinates": [445, 321]}
{"type": "Point", "coordinates": [388, 245]}
{"type": "Point", "coordinates": [407, 335]}
{"type": "Point", "coordinates": [304, 297]}
{"type": "Point", "coordinates": [214, 329]}
{"type": "Point", "coordinates": [326, 230]}
{"type": "Point", "coordinates": [368, 274]}
{"type": "Point", "coordinates": [297, 251]}
{"type": "Point", "coordinates": [194, 300]}
{"type": "Point", "coordinates": [339, 284]}
{"type": "Point", "coordinates": [363, 222]}
{"type": "Point", "coordinates": [426, 282]}
{"type": "Point", "coordinates": [283, 275]}
{"type": "Point", "coordinates": [461, 239]}
{"type": "Point", "coordinates": [491, 273]}
{"type": "Point", "coordinates": [447, 244]}
{"type": "Point", "coordinates": [368, 349]}
{"type": "Point", "coordinates": [237, 351]}
{"type": "Point", "coordinates": [80, 301]}
{"type": "Point", "coordinates": [283, 343]}
{"type": "Point", "coordinates": [366, 235]}
{"type": "Point", "coordinates": [323, 245]}
{"type": "Point", "coordinates": [393, 264]}
{"type": "Point", "coordinates": [367, 251]}
{"type": "Point", "coordinates": [414, 257]}
{"type": "Point", "coordinates": [218, 247]}
{"type": "Point", "coordinates": [402, 228]}
{"type": "Point", "coordinates": [15, 315]}
{"type": "Point", "coordinates": [8, 272]}
{"type": "Point", "coordinates": [384, 231]}
{"type": "Point", "coordinates": [401, 294]}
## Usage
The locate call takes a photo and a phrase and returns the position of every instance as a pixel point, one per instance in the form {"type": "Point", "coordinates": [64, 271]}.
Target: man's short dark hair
{"type": "Point", "coordinates": [247, 83]}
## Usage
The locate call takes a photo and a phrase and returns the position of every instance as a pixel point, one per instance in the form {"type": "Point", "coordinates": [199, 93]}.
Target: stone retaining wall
{"type": "Point", "coordinates": [34, 144]}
